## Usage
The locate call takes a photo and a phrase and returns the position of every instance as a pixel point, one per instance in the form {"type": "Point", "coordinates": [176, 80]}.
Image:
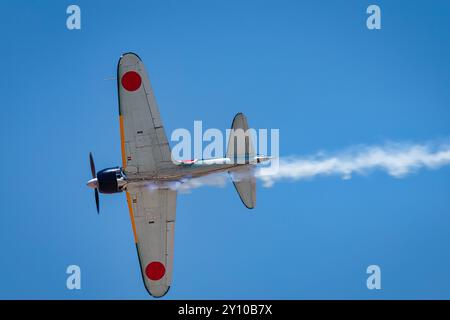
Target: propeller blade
{"type": "Point", "coordinates": [97, 201]}
{"type": "Point", "coordinates": [91, 160]}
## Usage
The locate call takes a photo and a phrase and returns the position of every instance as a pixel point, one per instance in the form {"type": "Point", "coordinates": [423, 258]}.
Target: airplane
{"type": "Point", "coordinates": [146, 160]}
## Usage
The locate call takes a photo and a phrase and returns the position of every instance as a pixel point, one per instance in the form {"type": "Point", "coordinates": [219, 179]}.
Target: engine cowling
{"type": "Point", "coordinates": [110, 180]}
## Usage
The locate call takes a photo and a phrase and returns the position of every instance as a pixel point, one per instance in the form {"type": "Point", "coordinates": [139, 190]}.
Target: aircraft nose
{"type": "Point", "coordinates": [93, 183]}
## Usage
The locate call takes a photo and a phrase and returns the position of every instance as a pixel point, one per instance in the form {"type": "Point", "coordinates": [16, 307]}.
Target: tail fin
{"type": "Point", "coordinates": [241, 150]}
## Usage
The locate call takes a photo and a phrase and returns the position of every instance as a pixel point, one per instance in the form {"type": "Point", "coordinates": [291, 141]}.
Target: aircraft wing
{"type": "Point", "coordinates": [153, 219]}
{"type": "Point", "coordinates": [145, 149]}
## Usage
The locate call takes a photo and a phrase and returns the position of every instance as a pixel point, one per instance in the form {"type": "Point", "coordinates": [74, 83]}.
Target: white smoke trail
{"type": "Point", "coordinates": [213, 180]}
{"type": "Point", "coordinates": [397, 159]}
{"type": "Point", "coordinates": [185, 186]}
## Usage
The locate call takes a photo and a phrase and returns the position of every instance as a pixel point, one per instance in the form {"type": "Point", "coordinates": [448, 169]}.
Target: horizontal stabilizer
{"type": "Point", "coordinates": [245, 183]}
{"type": "Point", "coordinates": [240, 144]}
{"type": "Point", "coordinates": [241, 150]}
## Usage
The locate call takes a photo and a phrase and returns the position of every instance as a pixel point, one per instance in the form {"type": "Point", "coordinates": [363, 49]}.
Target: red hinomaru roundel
{"type": "Point", "coordinates": [131, 81]}
{"type": "Point", "coordinates": [155, 270]}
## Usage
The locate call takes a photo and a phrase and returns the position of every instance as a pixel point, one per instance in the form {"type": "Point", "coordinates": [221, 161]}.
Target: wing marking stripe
{"type": "Point", "coordinates": [130, 208]}
{"type": "Point", "coordinates": [124, 164]}
{"type": "Point", "coordinates": [122, 142]}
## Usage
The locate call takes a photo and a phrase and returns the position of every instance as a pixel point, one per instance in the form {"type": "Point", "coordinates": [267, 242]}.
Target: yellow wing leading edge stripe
{"type": "Point", "coordinates": [122, 142]}
{"type": "Point", "coordinates": [130, 208]}
{"type": "Point", "coordinates": [124, 164]}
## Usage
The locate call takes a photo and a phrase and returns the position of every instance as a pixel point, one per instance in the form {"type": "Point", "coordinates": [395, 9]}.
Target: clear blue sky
{"type": "Point", "coordinates": [310, 68]}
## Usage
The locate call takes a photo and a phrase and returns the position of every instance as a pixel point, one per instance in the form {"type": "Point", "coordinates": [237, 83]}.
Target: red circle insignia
{"type": "Point", "coordinates": [155, 270]}
{"type": "Point", "coordinates": [131, 81]}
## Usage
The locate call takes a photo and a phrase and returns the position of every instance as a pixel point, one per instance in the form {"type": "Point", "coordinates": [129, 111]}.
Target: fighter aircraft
{"type": "Point", "coordinates": [146, 160]}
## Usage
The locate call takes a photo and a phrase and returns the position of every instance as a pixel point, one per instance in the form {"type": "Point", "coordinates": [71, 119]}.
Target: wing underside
{"type": "Point", "coordinates": [154, 220]}
{"type": "Point", "coordinates": [145, 151]}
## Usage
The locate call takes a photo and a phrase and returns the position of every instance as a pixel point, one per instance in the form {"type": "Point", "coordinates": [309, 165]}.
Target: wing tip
{"type": "Point", "coordinates": [130, 53]}
{"type": "Point", "coordinates": [122, 57]}
{"type": "Point", "coordinates": [156, 294]}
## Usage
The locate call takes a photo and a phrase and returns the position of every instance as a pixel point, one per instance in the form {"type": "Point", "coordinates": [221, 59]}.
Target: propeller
{"type": "Point", "coordinates": [94, 176]}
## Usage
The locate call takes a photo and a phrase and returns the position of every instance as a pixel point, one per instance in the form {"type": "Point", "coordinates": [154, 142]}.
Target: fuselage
{"type": "Point", "coordinates": [112, 180]}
